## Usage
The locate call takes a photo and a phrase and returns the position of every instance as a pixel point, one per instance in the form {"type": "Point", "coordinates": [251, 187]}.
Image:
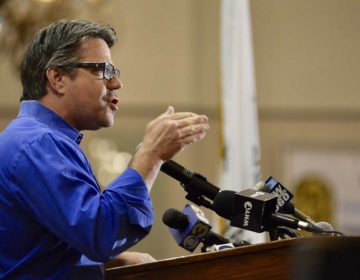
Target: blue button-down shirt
{"type": "Point", "coordinates": [54, 218]}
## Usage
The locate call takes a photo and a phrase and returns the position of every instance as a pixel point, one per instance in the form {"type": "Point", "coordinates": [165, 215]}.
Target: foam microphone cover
{"type": "Point", "coordinates": [175, 219]}
{"type": "Point", "coordinates": [223, 203]}
{"type": "Point", "coordinates": [262, 187]}
{"type": "Point", "coordinates": [324, 226]}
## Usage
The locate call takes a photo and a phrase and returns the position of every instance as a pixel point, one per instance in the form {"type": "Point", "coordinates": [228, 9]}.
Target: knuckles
{"type": "Point", "coordinates": [167, 136]}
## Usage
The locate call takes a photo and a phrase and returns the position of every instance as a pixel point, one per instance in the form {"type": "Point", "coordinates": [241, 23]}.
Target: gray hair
{"type": "Point", "coordinates": [57, 45]}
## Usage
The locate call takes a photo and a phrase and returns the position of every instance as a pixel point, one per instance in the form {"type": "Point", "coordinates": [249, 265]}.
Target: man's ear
{"type": "Point", "coordinates": [55, 77]}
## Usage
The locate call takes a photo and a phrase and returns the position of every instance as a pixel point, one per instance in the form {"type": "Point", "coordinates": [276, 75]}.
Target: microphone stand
{"type": "Point", "coordinates": [195, 196]}
{"type": "Point", "coordinates": [273, 234]}
{"type": "Point", "coordinates": [285, 232]}
{"type": "Point", "coordinates": [199, 200]}
{"type": "Point", "coordinates": [282, 232]}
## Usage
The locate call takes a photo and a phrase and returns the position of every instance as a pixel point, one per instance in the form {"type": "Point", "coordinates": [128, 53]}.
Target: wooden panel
{"type": "Point", "coordinates": [312, 258]}
{"type": "Point", "coordinates": [251, 262]}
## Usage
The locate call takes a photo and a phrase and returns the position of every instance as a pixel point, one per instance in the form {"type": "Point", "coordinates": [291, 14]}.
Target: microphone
{"type": "Point", "coordinates": [194, 184]}
{"type": "Point", "coordinates": [178, 223]}
{"type": "Point", "coordinates": [187, 227]}
{"type": "Point", "coordinates": [211, 238]}
{"type": "Point", "coordinates": [284, 195]}
{"type": "Point", "coordinates": [224, 246]}
{"type": "Point", "coordinates": [283, 204]}
{"type": "Point", "coordinates": [220, 247]}
{"type": "Point", "coordinates": [215, 242]}
{"type": "Point", "coordinates": [325, 226]}
{"type": "Point", "coordinates": [197, 187]}
{"type": "Point", "coordinates": [328, 229]}
{"type": "Point", "coordinates": [255, 211]}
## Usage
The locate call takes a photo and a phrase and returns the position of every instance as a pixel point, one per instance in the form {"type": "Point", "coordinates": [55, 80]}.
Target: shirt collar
{"type": "Point", "coordinates": [34, 109]}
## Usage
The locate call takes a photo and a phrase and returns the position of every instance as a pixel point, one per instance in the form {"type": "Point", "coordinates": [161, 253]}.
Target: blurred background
{"type": "Point", "coordinates": [307, 69]}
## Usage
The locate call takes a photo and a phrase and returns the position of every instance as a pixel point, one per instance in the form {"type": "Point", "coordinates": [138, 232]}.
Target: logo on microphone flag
{"type": "Point", "coordinates": [239, 138]}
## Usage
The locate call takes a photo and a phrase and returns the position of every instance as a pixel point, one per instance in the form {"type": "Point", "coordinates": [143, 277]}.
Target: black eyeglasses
{"type": "Point", "coordinates": [109, 71]}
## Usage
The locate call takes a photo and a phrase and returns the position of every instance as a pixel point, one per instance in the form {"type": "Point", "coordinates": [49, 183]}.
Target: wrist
{"type": "Point", "coordinates": [147, 164]}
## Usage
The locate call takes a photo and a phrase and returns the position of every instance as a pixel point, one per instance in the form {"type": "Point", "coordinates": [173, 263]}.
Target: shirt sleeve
{"type": "Point", "coordinates": [56, 186]}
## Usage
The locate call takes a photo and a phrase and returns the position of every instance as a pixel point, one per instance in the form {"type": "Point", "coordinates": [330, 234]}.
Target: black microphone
{"type": "Point", "coordinates": [255, 211]}
{"type": "Point", "coordinates": [216, 242]}
{"type": "Point", "coordinates": [194, 184]}
{"type": "Point", "coordinates": [284, 205]}
{"type": "Point", "coordinates": [213, 238]}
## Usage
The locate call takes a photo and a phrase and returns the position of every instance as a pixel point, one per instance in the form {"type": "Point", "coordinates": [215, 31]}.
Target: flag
{"type": "Point", "coordinates": [240, 135]}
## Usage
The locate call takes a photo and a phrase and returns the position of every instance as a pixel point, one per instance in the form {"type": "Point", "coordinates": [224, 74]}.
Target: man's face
{"type": "Point", "coordinates": [91, 99]}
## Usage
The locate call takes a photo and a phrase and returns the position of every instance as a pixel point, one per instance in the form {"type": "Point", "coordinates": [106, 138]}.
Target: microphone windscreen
{"type": "Point", "coordinates": [223, 203]}
{"type": "Point", "coordinates": [174, 218]}
{"type": "Point", "coordinates": [262, 187]}
{"type": "Point", "coordinates": [324, 226]}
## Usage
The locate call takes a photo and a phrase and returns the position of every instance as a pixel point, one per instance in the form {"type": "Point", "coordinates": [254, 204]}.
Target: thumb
{"type": "Point", "coordinates": [170, 110]}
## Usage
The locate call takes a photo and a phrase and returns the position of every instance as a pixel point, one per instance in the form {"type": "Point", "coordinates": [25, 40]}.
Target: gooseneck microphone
{"type": "Point", "coordinates": [199, 190]}
{"type": "Point", "coordinates": [328, 229]}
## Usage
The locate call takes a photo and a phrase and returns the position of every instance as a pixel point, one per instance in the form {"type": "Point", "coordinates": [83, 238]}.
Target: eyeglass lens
{"type": "Point", "coordinates": [110, 71]}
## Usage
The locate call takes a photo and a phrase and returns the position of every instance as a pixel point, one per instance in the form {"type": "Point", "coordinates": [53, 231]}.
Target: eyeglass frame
{"type": "Point", "coordinates": [99, 65]}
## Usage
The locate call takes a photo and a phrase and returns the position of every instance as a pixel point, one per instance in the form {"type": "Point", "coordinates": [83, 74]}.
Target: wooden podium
{"type": "Point", "coordinates": [284, 259]}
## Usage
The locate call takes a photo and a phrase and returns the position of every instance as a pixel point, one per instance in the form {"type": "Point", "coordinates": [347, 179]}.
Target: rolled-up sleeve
{"type": "Point", "coordinates": [135, 196]}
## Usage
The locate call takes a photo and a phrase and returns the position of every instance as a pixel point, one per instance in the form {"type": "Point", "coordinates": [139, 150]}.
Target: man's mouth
{"type": "Point", "coordinates": [112, 104]}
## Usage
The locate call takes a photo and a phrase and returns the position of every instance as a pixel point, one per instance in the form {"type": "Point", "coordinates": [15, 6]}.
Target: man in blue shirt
{"type": "Point", "coordinates": [55, 222]}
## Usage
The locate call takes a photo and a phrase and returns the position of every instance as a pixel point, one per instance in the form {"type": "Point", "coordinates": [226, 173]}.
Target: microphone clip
{"type": "Point", "coordinates": [193, 194]}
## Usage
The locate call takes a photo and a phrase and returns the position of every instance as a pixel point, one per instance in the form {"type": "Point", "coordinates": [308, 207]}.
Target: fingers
{"type": "Point", "coordinates": [164, 137]}
{"type": "Point", "coordinates": [148, 258]}
{"type": "Point", "coordinates": [192, 120]}
{"type": "Point", "coordinates": [192, 138]}
{"type": "Point", "coordinates": [131, 258]}
{"type": "Point", "coordinates": [170, 132]}
{"type": "Point", "coordinates": [180, 115]}
{"type": "Point", "coordinates": [190, 127]}
{"type": "Point", "coordinates": [187, 122]}
{"type": "Point", "coordinates": [193, 129]}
